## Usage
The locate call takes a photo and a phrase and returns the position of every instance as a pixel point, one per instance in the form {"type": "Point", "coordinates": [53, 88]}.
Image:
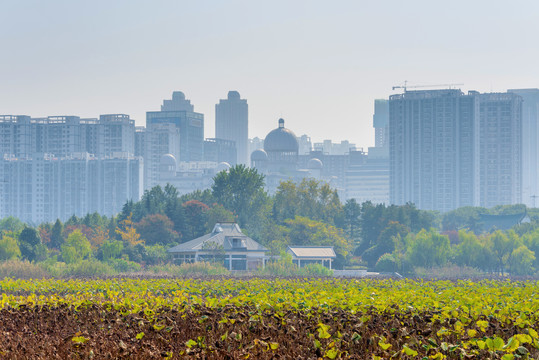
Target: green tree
{"type": "Point", "coordinates": [274, 237]}
{"type": "Point", "coordinates": [375, 218]}
{"type": "Point", "coordinates": [531, 240]}
{"type": "Point", "coordinates": [11, 224]}
{"type": "Point", "coordinates": [313, 199]}
{"type": "Point", "coordinates": [241, 191]}
{"type": "Point", "coordinates": [386, 263]}
{"type": "Point", "coordinates": [195, 219]}
{"type": "Point", "coordinates": [56, 235]}
{"type": "Point", "coordinates": [468, 252]}
{"type": "Point", "coordinates": [304, 231]}
{"type": "Point", "coordinates": [352, 214]}
{"type": "Point", "coordinates": [112, 249]}
{"type": "Point", "coordinates": [30, 244]}
{"type": "Point", "coordinates": [76, 247]}
{"type": "Point", "coordinates": [503, 245]}
{"type": "Point", "coordinates": [427, 248]}
{"type": "Point", "coordinates": [522, 260]}
{"type": "Point", "coordinates": [156, 254]}
{"type": "Point", "coordinates": [385, 244]}
{"type": "Point", "coordinates": [9, 249]}
{"type": "Point", "coordinates": [215, 214]}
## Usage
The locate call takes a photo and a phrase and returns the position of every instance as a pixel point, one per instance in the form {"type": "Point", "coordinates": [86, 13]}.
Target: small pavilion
{"type": "Point", "coordinates": [305, 255]}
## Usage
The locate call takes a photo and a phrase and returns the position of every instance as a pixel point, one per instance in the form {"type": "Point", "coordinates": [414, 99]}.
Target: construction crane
{"type": "Point", "coordinates": [405, 86]}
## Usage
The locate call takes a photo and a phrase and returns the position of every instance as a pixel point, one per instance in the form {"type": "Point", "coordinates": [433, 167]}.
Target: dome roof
{"type": "Point", "coordinates": [223, 166]}
{"type": "Point", "coordinates": [281, 139]}
{"type": "Point", "coordinates": [314, 163]}
{"type": "Point", "coordinates": [178, 95]}
{"type": "Point", "coordinates": [168, 160]}
{"type": "Point", "coordinates": [259, 155]}
{"type": "Point", "coordinates": [233, 95]}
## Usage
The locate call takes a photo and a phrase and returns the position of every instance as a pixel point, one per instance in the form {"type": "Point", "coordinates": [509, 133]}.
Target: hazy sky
{"type": "Point", "coordinates": [318, 64]}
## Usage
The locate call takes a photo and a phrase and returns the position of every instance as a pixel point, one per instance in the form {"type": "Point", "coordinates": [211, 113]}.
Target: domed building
{"type": "Point", "coordinates": [314, 167]}
{"type": "Point", "coordinates": [259, 160]}
{"type": "Point", "coordinates": [223, 166]}
{"type": "Point", "coordinates": [281, 146]}
{"type": "Point", "coordinates": [167, 166]}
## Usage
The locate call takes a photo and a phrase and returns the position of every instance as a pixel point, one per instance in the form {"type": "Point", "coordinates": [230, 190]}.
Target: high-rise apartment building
{"type": "Point", "coordinates": [500, 149]}
{"type": "Point", "coordinates": [530, 145]}
{"type": "Point", "coordinates": [23, 136]}
{"type": "Point", "coordinates": [160, 139]}
{"type": "Point", "coordinates": [443, 152]}
{"type": "Point", "coordinates": [46, 188]}
{"type": "Point", "coordinates": [231, 123]}
{"type": "Point", "coordinates": [380, 122]}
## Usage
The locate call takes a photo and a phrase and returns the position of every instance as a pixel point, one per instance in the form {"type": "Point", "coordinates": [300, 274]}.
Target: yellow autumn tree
{"type": "Point", "coordinates": [98, 237]}
{"type": "Point", "coordinates": [128, 232]}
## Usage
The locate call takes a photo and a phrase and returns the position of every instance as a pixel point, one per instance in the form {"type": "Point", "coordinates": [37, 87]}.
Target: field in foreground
{"type": "Point", "coordinates": [263, 319]}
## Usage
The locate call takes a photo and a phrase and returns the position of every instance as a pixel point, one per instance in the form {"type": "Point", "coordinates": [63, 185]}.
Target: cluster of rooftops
{"type": "Point", "coordinates": [239, 252]}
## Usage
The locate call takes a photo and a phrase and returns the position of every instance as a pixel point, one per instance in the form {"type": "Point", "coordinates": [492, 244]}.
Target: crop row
{"type": "Point", "coordinates": [260, 318]}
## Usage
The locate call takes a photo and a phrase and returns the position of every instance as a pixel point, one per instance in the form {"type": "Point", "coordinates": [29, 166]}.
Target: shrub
{"type": "Point", "coordinates": [189, 269]}
{"type": "Point", "coordinates": [315, 270]}
{"type": "Point", "coordinates": [22, 269]}
{"type": "Point", "coordinates": [450, 271]}
{"type": "Point", "coordinates": [88, 268]}
{"type": "Point", "coordinates": [123, 265]}
{"type": "Point", "coordinates": [284, 267]}
{"type": "Point", "coordinates": [156, 254]}
{"type": "Point", "coordinates": [386, 263]}
{"type": "Point", "coordinates": [9, 250]}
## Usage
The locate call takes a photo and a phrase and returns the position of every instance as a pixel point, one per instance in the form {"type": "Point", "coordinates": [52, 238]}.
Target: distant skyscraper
{"type": "Point", "coordinates": [179, 112]}
{"type": "Point", "coordinates": [175, 130]}
{"type": "Point", "coordinates": [530, 145]}
{"type": "Point", "coordinates": [500, 149]}
{"type": "Point", "coordinates": [380, 122]}
{"type": "Point", "coordinates": [178, 103]}
{"type": "Point", "coordinates": [231, 123]}
{"type": "Point", "coordinates": [449, 150]}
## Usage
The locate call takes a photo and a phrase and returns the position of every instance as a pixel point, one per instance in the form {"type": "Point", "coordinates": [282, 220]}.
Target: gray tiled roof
{"type": "Point", "coordinates": [313, 251]}
{"type": "Point", "coordinates": [222, 234]}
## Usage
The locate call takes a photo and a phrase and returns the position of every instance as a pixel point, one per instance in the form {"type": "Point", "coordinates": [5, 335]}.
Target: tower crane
{"type": "Point", "coordinates": [405, 86]}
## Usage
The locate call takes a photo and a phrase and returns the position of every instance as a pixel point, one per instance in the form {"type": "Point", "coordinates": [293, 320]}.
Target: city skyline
{"type": "Point", "coordinates": [318, 65]}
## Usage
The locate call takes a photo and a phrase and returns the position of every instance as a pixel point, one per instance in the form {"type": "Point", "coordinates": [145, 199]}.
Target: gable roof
{"type": "Point", "coordinates": [500, 222]}
{"type": "Point", "coordinates": [312, 251]}
{"type": "Point", "coordinates": [223, 235]}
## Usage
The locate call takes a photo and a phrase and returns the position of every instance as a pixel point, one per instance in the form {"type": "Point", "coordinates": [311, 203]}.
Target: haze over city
{"type": "Point", "coordinates": [318, 64]}
{"type": "Point", "coordinates": [269, 179]}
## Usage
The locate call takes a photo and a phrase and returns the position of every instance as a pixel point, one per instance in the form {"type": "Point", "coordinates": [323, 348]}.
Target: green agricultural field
{"type": "Point", "coordinates": [264, 319]}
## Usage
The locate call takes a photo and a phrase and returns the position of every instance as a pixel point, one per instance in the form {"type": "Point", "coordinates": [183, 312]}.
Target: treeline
{"type": "Point", "coordinates": [384, 238]}
{"type": "Point", "coordinates": [306, 213]}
